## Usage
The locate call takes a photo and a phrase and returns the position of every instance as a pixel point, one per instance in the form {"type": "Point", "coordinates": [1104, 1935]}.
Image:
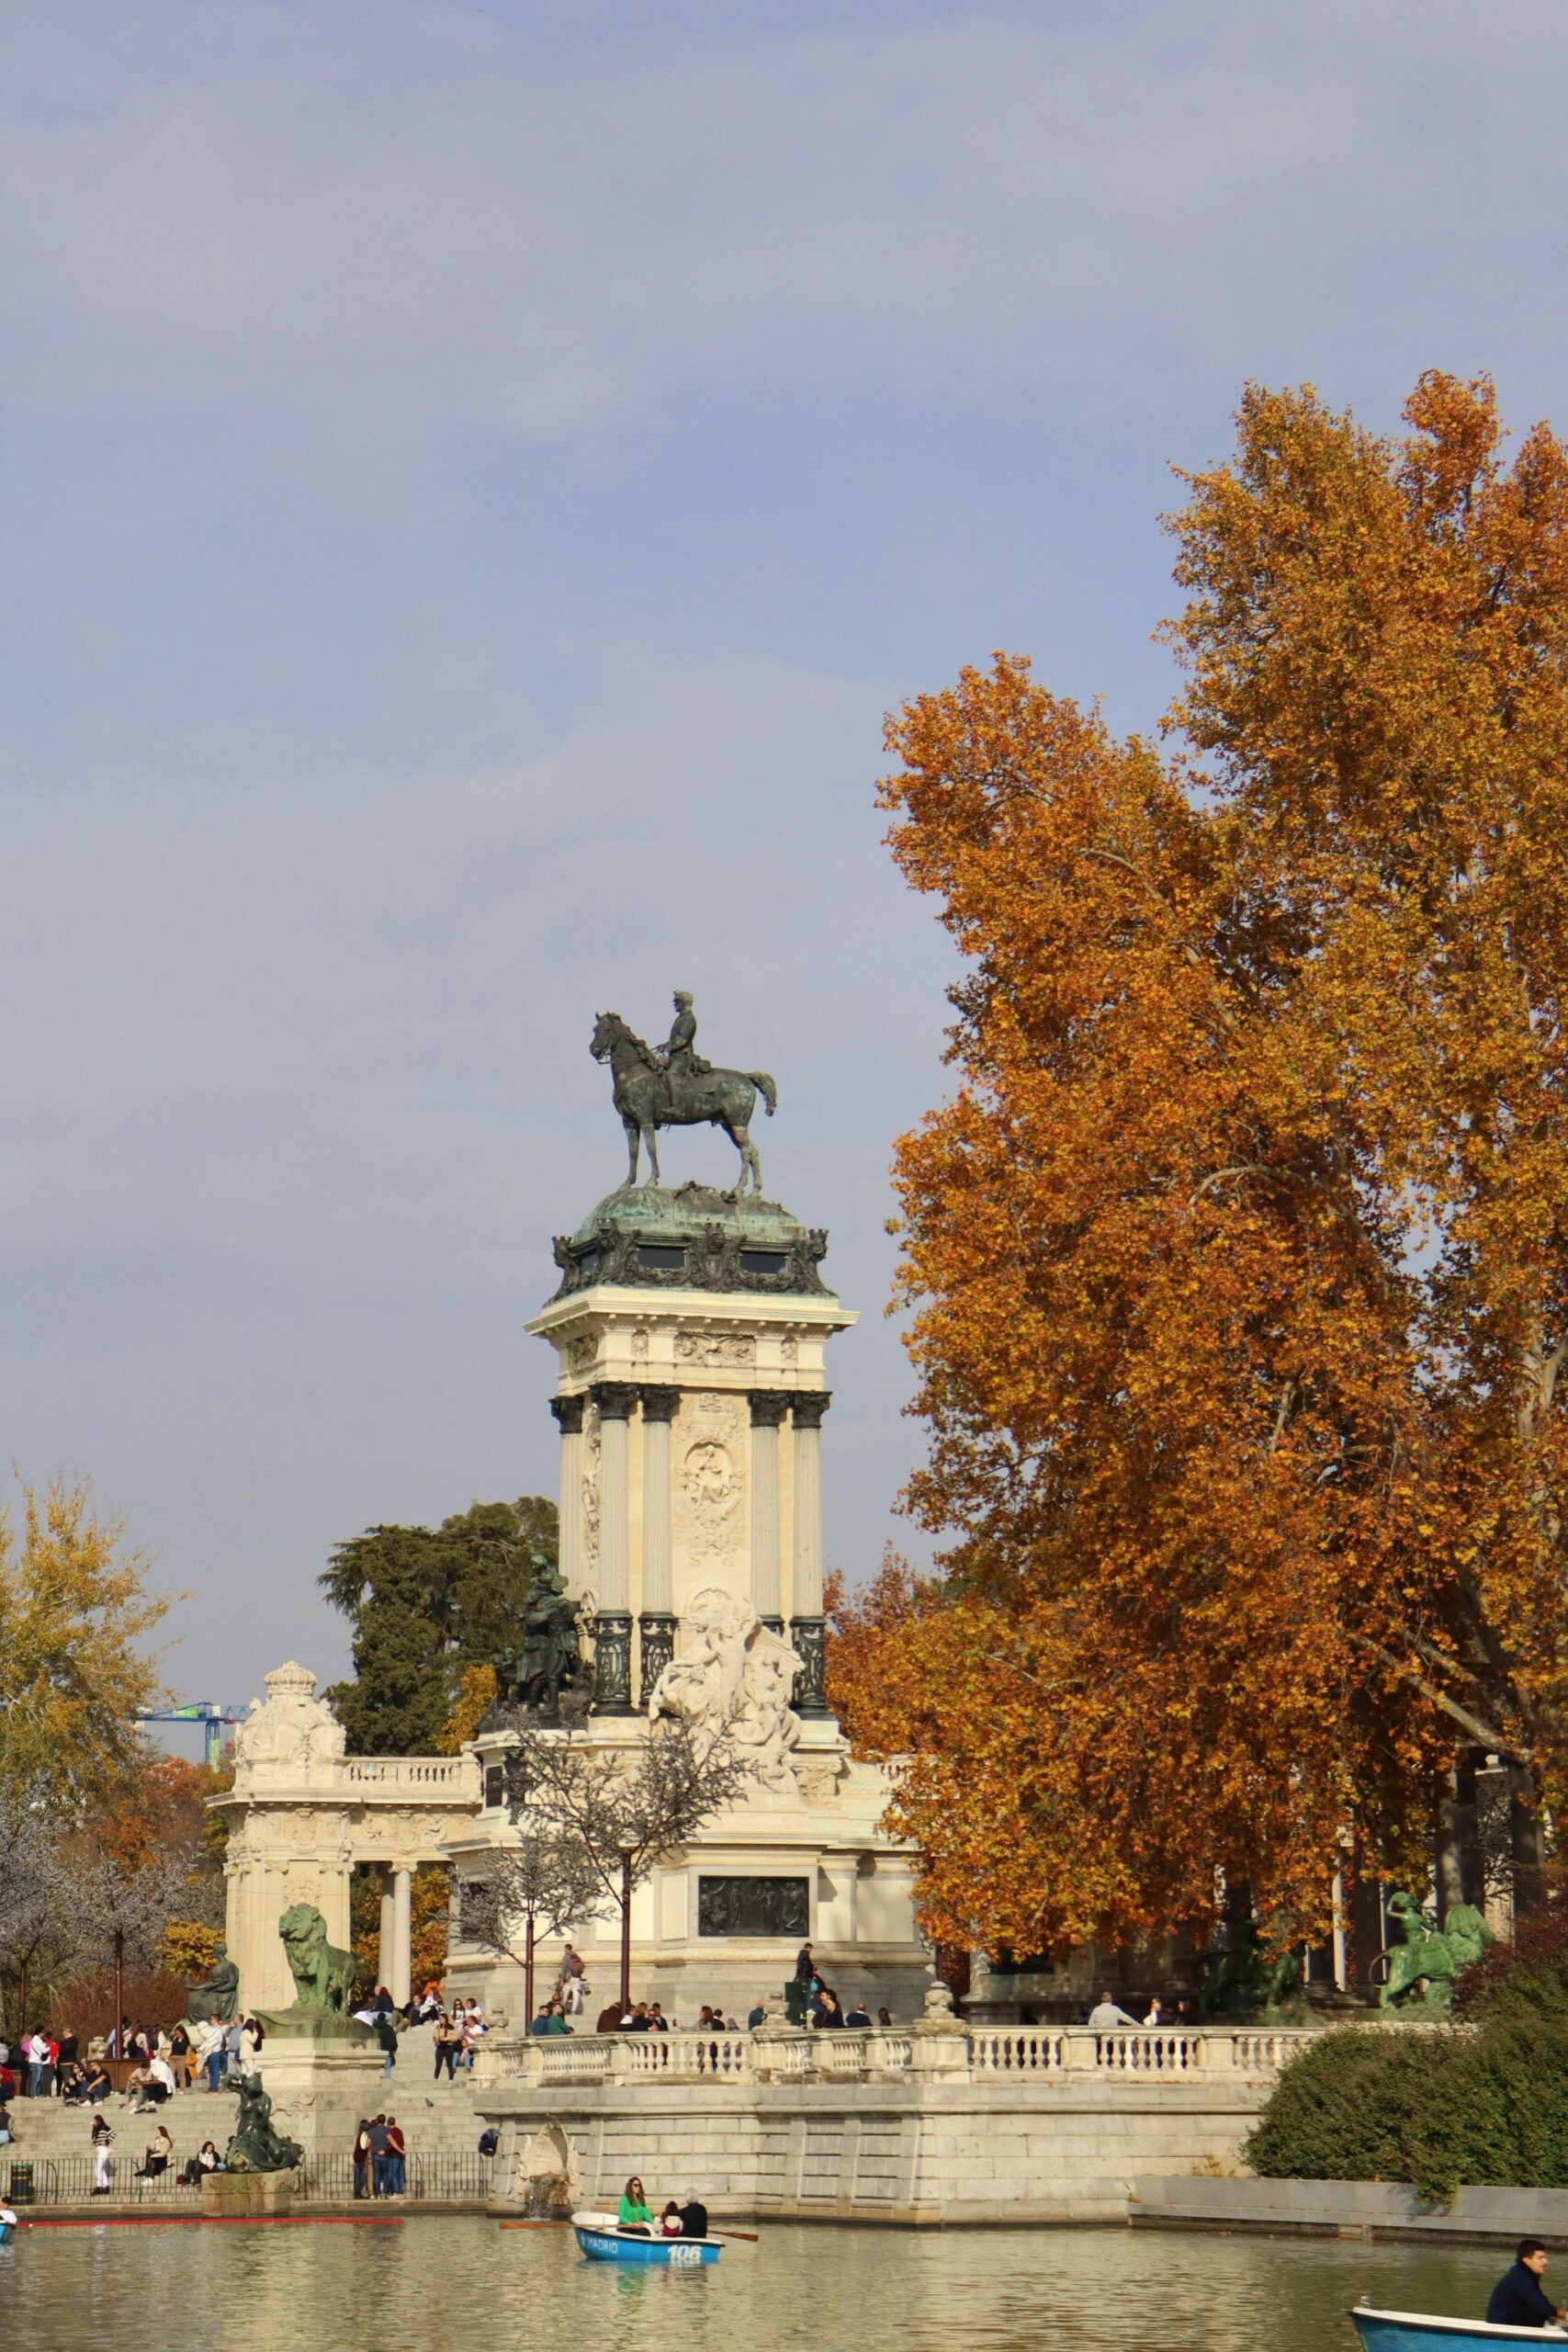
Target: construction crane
{"type": "Point", "coordinates": [206, 1711]}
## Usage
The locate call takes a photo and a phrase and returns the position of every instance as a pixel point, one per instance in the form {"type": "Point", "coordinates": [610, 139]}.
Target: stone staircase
{"type": "Point", "coordinates": [440, 2120]}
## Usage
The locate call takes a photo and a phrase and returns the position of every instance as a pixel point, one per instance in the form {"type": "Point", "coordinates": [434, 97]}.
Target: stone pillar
{"type": "Point", "coordinates": [397, 1983]}
{"type": "Point", "coordinates": [656, 1625]}
{"type": "Point", "coordinates": [805, 1623]}
{"type": "Point", "coordinates": [385, 1953]}
{"type": "Point", "coordinates": [769, 1407]}
{"type": "Point", "coordinates": [568, 1411]}
{"type": "Point", "coordinates": [613, 1640]}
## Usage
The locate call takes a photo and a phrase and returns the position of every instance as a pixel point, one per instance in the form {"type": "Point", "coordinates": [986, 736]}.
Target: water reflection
{"type": "Point", "coordinates": [466, 2286]}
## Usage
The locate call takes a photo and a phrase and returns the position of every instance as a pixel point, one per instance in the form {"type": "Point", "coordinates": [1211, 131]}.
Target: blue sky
{"type": "Point", "coordinates": [472, 480]}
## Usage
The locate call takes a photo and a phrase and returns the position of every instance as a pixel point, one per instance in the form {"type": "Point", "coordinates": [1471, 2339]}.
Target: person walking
{"type": "Point", "coordinates": [447, 2042]}
{"type": "Point", "coordinates": [361, 2157]}
{"type": "Point", "coordinates": [102, 2141]}
{"type": "Point", "coordinates": [386, 2035]}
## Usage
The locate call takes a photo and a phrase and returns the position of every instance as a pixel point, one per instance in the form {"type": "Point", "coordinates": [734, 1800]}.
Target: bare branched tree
{"type": "Point", "coordinates": [122, 1908]}
{"type": "Point", "coordinates": [38, 1921]}
{"type": "Point", "coordinates": [540, 1887]}
{"type": "Point", "coordinates": [627, 1807]}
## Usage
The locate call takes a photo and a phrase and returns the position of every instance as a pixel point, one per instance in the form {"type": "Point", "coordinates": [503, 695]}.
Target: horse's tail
{"type": "Point", "coordinates": [765, 1088]}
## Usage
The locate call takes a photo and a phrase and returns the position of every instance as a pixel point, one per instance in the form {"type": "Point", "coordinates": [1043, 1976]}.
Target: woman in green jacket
{"type": "Point", "coordinates": [634, 2213]}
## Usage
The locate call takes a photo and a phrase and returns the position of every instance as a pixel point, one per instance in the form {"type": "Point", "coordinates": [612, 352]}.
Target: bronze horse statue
{"type": "Point", "coordinates": [646, 1098]}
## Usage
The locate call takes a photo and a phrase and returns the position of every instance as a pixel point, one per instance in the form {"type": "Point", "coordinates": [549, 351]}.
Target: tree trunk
{"type": "Point", "coordinates": [1527, 1845]}
{"type": "Point", "coordinates": [118, 1991]}
{"type": "Point", "coordinates": [625, 1933]}
{"type": "Point", "coordinates": [21, 1999]}
{"type": "Point", "coordinates": [528, 1975]}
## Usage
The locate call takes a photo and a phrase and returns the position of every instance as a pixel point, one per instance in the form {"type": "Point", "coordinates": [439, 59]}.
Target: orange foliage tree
{"type": "Point", "coordinates": [1237, 1260]}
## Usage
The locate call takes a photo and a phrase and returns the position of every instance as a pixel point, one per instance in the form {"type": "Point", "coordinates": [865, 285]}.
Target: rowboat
{"type": "Point", "coordinates": [7, 2231]}
{"type": "Point", "coordinates": [1420, 2331]}
{"type": "Point", "coordinates": [602, 2239]}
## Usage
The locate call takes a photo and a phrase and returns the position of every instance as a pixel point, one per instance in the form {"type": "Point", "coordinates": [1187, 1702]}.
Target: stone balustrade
{"type": "Point", "coordinates": [963, 2053]}
{"type": "Point", "coordinates": [456, 1776]}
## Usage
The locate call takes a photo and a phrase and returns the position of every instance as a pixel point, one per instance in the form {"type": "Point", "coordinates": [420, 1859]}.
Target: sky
{"type": "Point", "coordinates": [472, 480]}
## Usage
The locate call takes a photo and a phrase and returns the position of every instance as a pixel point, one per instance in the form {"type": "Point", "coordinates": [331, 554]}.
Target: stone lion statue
{"type": "Point", "coordinates": [321, 1974]}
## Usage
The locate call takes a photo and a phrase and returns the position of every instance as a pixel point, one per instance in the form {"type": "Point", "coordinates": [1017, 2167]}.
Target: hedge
{"type": "Point", "coordinates": [1483, 2108]}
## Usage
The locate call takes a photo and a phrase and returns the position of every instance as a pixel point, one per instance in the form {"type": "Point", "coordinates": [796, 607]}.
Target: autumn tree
{"type": "Point", "coordinates": [426, 1604]}
{"type": "Point", "coordinates": [74, 1608]}
{"type": "Point", "coordinates": [1238, 1262]}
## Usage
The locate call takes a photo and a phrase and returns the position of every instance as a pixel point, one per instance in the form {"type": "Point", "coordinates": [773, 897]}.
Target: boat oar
{"type": "Point", "coordinates": [749, 2235]}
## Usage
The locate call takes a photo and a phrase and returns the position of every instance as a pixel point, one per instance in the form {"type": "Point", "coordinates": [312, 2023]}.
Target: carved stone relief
{"type": "Point", "coordinates": [291, 1736]}
{"type": "Point", "coordinates": [737, 1674]}
{"type": "Point", "coordinates": [789, 1351]}
{"type": "Point", "coordinates": [734, 1349]}
{"type": "Point", "coordinates": [709, 1486]}
{"type": "Point", "coordinates": [590, 1529]}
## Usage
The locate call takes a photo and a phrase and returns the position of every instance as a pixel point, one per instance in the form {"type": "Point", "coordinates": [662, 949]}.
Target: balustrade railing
{"type": "Point", "coordinates": [982, 2054]}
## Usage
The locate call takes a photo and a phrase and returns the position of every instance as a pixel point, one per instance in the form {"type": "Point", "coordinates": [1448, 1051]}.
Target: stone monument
{"type": "Point", "coordinates": [689, 1328]}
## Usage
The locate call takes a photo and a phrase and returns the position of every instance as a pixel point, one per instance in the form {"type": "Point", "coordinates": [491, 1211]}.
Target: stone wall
{"type": "Point", "coordinates": [900, 2152]}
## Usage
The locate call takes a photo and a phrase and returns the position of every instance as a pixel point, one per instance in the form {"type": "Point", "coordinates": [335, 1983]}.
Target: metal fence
{"type": "Point", "coordinates": [443, 2179]}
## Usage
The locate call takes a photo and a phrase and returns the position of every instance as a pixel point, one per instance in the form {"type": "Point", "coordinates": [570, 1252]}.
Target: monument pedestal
{"type": "Point", "coordinates": [257, 2196]}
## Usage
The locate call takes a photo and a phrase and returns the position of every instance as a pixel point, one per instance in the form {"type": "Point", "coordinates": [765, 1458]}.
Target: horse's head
{"type": "Point", "coordinates": [607, 1027]}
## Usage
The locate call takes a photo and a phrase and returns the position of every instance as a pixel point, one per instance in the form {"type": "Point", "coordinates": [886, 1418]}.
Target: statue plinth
{"type": "Point", "coordinates": [647, 1236]}
{"type": "Point", "coordinates": [307, 2025]}
{"type": "Point", "coordinates": [235, 2196]}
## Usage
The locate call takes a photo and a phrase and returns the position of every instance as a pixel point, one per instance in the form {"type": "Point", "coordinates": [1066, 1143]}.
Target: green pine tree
{"type": "Point", "coordinates": [425, 1603]}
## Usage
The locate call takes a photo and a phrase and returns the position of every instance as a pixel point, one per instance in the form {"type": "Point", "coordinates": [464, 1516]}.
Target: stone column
{"type": "Point", "coordinates": [386, 1955]}
{"type": "Point", "coordinates": [398, 1984]}
{"type": "Point", "coordinates": [568, 1411]}
{"type": "Point", "coordinates": [656, 1625]}
{"type": "Point", "coordinates": [769, 1407]}
{"type": "Point", "coordinates": [612, 1640]}
{"type": "Point", "coordinates": [808, 1407]}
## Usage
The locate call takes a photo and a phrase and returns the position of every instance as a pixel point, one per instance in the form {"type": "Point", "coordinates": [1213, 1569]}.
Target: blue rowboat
{"type": "Point", "coordinates": [1420, 2331]}
{"type": "Point", "coordinates": [7, 2231]}
{"type": "Point", "coordinates": [603, 2240]}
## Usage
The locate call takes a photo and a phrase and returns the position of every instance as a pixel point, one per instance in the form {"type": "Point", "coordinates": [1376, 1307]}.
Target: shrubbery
{"type": "Point", "coordinates": [1483, 2107]}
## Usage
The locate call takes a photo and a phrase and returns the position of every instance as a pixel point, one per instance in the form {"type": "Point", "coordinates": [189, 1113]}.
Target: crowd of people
{"type": "Point", "coordinates": [380, 2158]}
{"type": "Point", "coordinates": [676, 2220]}
{"type": "Point", "coordinates": [164, 2060]}
{"type": "Point", "coordinates": [459, 2027]}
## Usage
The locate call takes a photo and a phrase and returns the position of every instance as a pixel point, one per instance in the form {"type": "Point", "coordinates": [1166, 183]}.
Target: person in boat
{"type": "Point", "coordinates": [7, 2215]}
{"type": "Point", "coordinates": [1517, 2300]}
{"type": "Point", "coordinates": [693, 2218]}
{"type": "Point", "coordinates": [634, 2212]}
{"type": "Point", "coordinates": [670, 2225]}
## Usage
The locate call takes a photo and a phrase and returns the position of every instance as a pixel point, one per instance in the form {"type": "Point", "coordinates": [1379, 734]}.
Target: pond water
{"type": "Point", "coordinates": [460, 2285]}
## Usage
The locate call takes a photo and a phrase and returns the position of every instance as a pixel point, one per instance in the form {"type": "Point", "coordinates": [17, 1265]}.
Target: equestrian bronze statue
{"type": "Point", "coordinates": [671, 1086]}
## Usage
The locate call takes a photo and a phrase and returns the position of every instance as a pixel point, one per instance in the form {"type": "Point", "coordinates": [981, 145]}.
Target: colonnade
{"type": "Point", "coordinates": [615, 1401]}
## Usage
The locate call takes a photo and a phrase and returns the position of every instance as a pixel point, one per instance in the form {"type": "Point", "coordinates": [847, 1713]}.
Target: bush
{"type": "Point", "coordinates": [1440, 2111]}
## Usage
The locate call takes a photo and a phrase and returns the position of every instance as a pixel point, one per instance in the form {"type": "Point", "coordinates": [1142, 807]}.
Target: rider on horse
{"type": "Point", "coordinates": [678, 1059]}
